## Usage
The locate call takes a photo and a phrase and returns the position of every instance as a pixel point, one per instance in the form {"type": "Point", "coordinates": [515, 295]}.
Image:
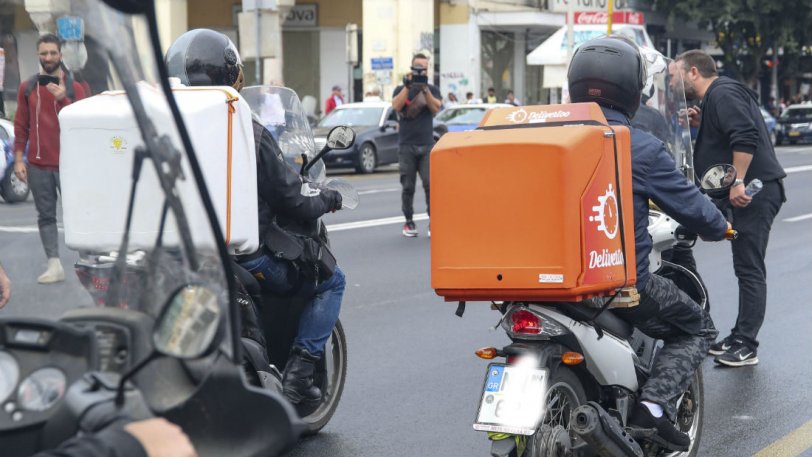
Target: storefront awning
{"type": "Point", "coordinates": [553, 51]}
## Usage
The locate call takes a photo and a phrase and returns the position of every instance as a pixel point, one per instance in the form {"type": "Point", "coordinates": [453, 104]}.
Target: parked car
{"type": "Point", "coordinates": [459, 118]}
{"type": "Point", "coordinates": [794, 124]}
{"type": "Point", "coordinates": [376, 135]}
{"type": "Point", "coordinates": [12, 189]}
{"type": "Point", "coordinates": [771, 122]}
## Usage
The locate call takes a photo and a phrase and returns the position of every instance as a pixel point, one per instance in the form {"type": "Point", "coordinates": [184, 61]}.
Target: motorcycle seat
{"type": "Point", "coordinates": [607, 320]}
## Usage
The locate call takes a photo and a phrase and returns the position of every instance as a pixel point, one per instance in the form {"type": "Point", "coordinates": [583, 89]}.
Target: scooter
{"type": "Point", "coordinates": [578, 372]}
{"type": "Point", "coordinates": [277, 317]}
{"type": "Point", "coordinates": [167, 340]}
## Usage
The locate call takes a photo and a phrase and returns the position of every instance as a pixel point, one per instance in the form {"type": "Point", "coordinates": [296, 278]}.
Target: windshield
{"type": "Point", "coordinates": [280, 111]}
{"type": "Point", "coordinates": [352, 116]}
{"type": "Point", "coordinates": [132, 226]}
{"type": "Point", "coordinates": [663, 110]}
{"type": "Point", "coordinates": [797, 115]}
{"type": "Point", "coordinates": [457, 116]}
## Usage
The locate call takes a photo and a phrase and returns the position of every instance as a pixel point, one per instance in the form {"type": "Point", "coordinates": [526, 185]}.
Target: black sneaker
{"type": "Point", "coordinates": [409, 229]}
{"type": "Point", "coordinates": [738, 355]}
{"type": "Point", "coordinates": [667, 435]}
{"type": "Point", "coordinates": [721, 346]}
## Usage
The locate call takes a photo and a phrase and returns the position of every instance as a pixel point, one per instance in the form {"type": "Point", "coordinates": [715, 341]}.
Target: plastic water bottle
{"type": "Point", "coordinates": [753, 187]}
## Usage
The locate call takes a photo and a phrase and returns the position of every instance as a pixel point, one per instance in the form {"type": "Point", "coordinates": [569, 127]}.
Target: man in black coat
{"type": "Point", "coordinates": [732, 130]}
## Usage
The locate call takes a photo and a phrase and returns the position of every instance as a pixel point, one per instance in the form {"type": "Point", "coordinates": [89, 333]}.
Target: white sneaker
{"type": "Point", "coordinates": [54, 273]}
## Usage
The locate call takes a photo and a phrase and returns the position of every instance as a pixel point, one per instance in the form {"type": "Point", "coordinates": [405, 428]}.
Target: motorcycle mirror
{"type": "Point", "coordinates": [188, 325]}
{"type": "Point", "coordinates": [718, 179]}
{"type": "Point", "coordinates": [340, 137]}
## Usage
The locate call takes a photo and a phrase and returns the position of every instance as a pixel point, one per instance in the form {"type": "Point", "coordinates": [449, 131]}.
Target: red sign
{"type": "Point", "coordinates": [602, 17]}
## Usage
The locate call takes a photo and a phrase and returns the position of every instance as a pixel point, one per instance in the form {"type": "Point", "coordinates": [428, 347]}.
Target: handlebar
{"type": "Point", "coordinates": [683, 234]}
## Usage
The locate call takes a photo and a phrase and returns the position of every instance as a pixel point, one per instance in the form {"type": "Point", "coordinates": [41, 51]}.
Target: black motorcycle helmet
{"type": "Point", "coordinates": [608, 71]}
{"type": "Point", "coordinates": [203, 57]}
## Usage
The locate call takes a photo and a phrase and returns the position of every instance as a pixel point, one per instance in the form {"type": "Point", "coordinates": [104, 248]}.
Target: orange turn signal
{"type": "Point", "coordinates": [486, 353]}
{"type": "Point", "coordinates": [572, 358]}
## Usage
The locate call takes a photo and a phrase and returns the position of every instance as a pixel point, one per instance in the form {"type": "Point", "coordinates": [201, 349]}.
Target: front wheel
{"type": "Point", "coordinates": [331, 372]}
{"type": "Point", "coordinates": [565, 393]}
{"type": "Point", "coordinates": [367, 159]}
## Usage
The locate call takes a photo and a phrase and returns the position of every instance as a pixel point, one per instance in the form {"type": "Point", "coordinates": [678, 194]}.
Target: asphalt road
{"type": "Point", "coordinates": [413, 381]}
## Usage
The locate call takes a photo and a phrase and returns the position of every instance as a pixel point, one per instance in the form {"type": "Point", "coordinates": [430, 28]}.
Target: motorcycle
{"type": "Point", "coordinates": [571, 374]}
{"type": "Point", "coordinates": [159, 334]}
{"type": "Point", "coordinates": [280, 111]}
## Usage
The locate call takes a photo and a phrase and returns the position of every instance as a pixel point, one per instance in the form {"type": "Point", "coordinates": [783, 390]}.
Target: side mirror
{"type": "Point", "coordinates": [718, 179]}
{"type": "Point", "coordinates": [389, 124]}
{"type": "Point", "coordinates": [340, 137]}
{"type": "Point", "coordinates": [188, 325]}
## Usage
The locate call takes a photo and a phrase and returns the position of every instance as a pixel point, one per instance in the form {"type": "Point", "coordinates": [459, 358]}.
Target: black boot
{"type": "Point", "coordinates": [297, 381]}
{"type": "Point", "coordinates": [667, 435]}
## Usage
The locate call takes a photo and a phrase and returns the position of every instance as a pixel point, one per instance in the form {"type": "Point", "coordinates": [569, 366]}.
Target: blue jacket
{"type": "Point", "coordinates": [655, 177]}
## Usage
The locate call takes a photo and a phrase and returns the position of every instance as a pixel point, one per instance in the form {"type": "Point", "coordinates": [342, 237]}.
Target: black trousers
{"type": "Point", "coordinates": [413, 159]}
{"type": "Point", "coordinates": [753, 223]}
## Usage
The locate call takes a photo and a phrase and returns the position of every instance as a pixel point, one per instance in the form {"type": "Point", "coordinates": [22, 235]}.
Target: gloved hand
{"type": "Point", "coordinates": [334, 199]}
{"type": "Point", "coordinates": [407, 80]}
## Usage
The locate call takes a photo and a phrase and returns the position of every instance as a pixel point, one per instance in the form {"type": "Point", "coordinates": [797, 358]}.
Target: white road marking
{"type": "Point", "coordinates": [374, 222]}
{"type": "Point", "coordinates": [799, 218]}
{"type": "Point", "coordinates": [378, 191]}
{"type": "Point", "coordinates": [798, 169]}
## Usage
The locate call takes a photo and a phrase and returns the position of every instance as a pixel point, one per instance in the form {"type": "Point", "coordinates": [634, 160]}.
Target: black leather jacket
{"type": "Point", "coordinates": [282, 196]}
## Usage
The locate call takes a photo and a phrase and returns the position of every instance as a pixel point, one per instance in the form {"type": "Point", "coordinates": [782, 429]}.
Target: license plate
{"type": "Point", "coordinates": [794, 133]}
{"type": "Point", "coordinates": [512, 399]}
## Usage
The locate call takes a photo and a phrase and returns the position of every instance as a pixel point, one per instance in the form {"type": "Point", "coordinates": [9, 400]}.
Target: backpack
{"type": "Point", "coordinates": [34, 80]}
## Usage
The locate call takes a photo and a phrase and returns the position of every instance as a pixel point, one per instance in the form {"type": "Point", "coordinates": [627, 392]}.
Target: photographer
{"type": "Point", "coordinates": [416, 107]}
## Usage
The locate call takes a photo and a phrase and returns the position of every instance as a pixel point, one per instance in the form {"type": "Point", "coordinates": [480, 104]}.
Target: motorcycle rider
{"type": "Point", "coordinates": [203, 57]}
{"type": "Point", "coordinates": [610, 71]}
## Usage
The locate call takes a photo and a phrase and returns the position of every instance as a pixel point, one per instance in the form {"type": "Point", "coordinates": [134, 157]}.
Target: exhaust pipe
{"type": "Point", "coordinates": [602, 432]}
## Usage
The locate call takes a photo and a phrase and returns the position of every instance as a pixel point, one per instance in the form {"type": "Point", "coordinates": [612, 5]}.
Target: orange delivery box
{"type": "Point", "coordinates": [535, 204]}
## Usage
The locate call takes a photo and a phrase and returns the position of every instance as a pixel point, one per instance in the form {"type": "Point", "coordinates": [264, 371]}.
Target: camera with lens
{"type": "Point", "coordinates": [419, 77]}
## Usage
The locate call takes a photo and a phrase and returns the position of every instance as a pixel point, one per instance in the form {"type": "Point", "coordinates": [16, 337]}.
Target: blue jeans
{"type": "Point", "coordinates": [320, 315]}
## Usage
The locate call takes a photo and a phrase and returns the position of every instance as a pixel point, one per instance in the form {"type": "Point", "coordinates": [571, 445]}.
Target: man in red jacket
{"type": "Point", "coordinates": [36, 124]}
{"type": "Point", "coordinates": [334, 100]}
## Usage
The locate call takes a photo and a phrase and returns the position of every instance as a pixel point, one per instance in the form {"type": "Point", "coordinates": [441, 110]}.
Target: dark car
{"type": "Point", "coordinates": [794, 124]}
{"type": "Point", "coordinates": [376, 135]}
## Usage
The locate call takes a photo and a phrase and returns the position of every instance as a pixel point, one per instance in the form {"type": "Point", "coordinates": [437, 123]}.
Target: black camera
{"type": "Point", "coordinates": [419, 76]}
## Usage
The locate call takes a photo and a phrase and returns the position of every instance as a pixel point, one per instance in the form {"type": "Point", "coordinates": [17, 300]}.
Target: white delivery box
{"type": "Point", "coordinates": [99, 136]}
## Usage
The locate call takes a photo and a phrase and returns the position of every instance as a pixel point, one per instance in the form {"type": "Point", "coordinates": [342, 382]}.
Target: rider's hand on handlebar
{"type": "Point", "coordinates": [161, 438]}
{"type": "Point", "coordinates": [738, 198]}
{"type": "Point", "coordinates": [694, 116]}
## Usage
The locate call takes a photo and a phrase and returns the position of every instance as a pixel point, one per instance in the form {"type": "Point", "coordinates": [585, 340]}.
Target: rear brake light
{"type": "Point", "coordinates": [526, 322]}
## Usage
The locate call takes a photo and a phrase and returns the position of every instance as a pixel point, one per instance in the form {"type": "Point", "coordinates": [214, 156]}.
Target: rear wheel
{"type": "Point", "coordinates": [565, 393]}
{"type": "Point", "coordinates": [367, 159]}
{"type": "Point", "coordinates": [331, 372]}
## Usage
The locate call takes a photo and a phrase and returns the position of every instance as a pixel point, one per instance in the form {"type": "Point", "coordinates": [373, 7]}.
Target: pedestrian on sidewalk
{"type": "Point", "coordinates": [36, 124]}
{"type": "Point", "coordinates": [732, 130]}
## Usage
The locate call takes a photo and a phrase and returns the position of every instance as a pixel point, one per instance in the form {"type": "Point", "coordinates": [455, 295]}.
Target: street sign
{"type": "Point", "coordinates": [560, 6]}
{"type": "Point", "coordinates": [383, 63]}
{"type": "Point", "coordinates": [602, 17]}
{"type": "Point", "coordinates": [70, 28]}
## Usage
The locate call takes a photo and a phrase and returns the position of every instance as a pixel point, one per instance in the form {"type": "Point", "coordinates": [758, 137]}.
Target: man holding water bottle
{"type": "Point", "coordinates": [732, 130]}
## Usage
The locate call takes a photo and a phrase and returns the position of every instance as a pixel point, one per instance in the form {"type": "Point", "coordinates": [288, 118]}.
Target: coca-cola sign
{"type": "Point", "coordinates": [602, 17]}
